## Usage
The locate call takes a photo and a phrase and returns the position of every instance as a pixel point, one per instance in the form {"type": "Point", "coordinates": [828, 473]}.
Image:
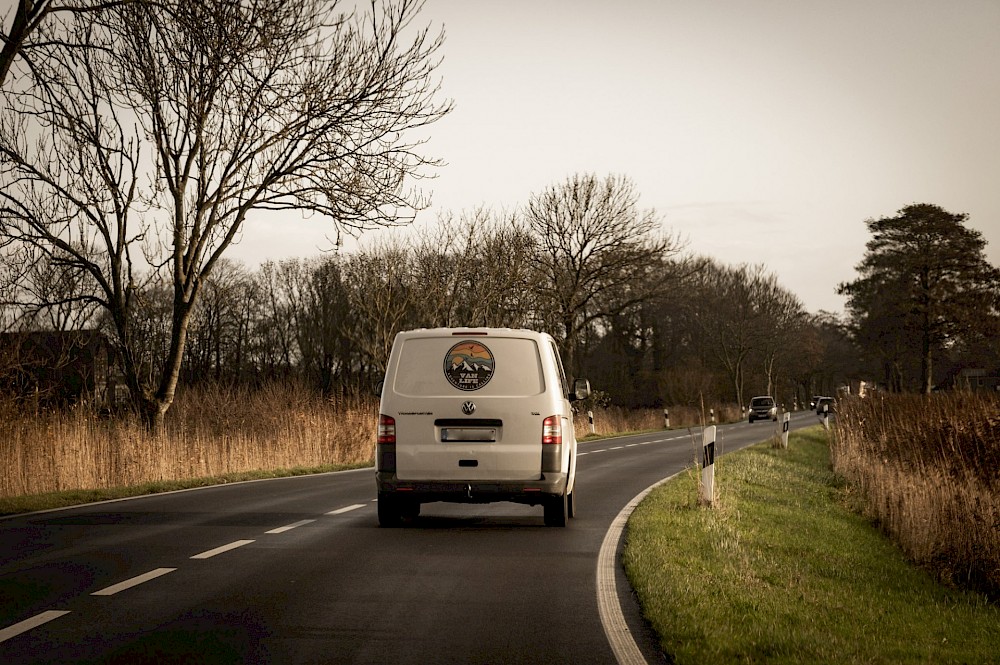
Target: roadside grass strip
{"type": "Point", "coordinates": [782, 571]}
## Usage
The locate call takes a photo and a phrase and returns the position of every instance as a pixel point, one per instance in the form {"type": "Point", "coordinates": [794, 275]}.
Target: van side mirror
{"type": "Point", "coordinates": [581, 390]}
{"type": "Point", "coordinates": [379, 385]}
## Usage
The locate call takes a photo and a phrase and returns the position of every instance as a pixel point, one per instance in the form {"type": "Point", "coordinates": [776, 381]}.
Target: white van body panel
{"type": "Point", "coordinates": [469, 409]}
{"type": "Point", "coordinates": [516, 396]}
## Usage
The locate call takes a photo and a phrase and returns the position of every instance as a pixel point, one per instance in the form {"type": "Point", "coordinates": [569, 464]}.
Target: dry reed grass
{"type": "Point", "coordinates": [209, 432]}
{"type": "Point", "coordinates": [219, 430]}
{"type": "Point", "coordinates": [926, 469]}
{"type": "Point", "coordinates": [616, 420]}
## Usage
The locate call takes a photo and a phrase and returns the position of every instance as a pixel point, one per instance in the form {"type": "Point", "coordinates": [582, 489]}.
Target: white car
{"type": "Point", "coordinates": [475, 415]}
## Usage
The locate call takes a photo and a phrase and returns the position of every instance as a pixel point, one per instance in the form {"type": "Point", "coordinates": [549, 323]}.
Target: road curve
{"type": "Point", "coordinates": [296, 570]}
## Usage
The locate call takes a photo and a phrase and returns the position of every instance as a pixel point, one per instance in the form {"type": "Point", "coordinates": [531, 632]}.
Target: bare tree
{"type": "Point", "coordinates": [381, 296]}
{"type": "Point", "coordinates": [592, 241]}
{"type": "Point", "coordinates": [37, 292]}
{"type": "Point", "coordinates": [258, 105]}
{"type": "Point", "coordinates": [29, 15]}
{"type": "Point", "coordinates": [782, 318]}
{"type": "Point", "coordinates": [474, 270]}
{"type": "Point", "coordinates": [221, 322]}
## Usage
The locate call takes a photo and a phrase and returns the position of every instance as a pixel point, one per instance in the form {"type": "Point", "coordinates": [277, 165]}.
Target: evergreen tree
{"type": "Point", "coordinates": [924, 284]}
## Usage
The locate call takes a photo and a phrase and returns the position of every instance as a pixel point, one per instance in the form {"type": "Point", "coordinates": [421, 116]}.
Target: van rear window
{"type": "Point", "coordinates": [446, 366]}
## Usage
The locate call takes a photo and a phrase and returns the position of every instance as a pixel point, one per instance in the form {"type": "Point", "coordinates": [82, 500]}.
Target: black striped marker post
{"type": "Point", "coordinates": [590, 419]}
{"type": "Point", "coordinates": [785, 423]}
{"type": "Point", "coordinates": [708, 466]}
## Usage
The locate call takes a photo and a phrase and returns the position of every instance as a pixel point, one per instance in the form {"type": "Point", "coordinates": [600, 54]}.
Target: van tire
{"type": "Point", "coordinates": [389, 513]}
{"type": "Point", "coordinates": [556, 510]}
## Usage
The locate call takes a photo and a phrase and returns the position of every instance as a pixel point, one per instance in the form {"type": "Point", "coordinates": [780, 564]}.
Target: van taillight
{"type": "Point", "coordinates": [386, 429]}
{"type": "Point", "coordinates": [552, 430]}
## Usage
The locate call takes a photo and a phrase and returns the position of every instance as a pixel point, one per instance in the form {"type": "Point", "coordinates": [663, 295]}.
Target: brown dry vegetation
{"type": "Point", "coordinates": [208, 432]}
{"type": "Point", "coordinates": [927, 469]}
{"type": "Point", "coordinates": [216, 431]}
{"type": "Point", "coordinates": [618, 420]}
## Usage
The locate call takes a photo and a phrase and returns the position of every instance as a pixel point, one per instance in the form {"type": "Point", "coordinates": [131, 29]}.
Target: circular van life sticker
{"type": "Point", "coordinates": [468, 365]}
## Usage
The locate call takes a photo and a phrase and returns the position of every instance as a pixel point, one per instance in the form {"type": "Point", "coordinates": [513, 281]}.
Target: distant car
{"type": "Point", "coordinates": [812, 402]}
{"type": "Point", "coordinates": [763, 408]}
{"type": "Point", "coordinates": [824, 404]}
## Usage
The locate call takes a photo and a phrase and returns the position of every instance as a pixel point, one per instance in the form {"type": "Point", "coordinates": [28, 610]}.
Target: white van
{"type": "Point", "coordinates": [475, 415]}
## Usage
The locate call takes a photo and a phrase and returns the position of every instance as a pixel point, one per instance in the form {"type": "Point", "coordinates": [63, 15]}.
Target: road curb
{"type": "Point", "coordinates": [612, 618]}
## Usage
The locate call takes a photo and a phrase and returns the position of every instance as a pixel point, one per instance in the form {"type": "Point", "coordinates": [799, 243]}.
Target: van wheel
{"type": "Point", "coordinates": [409, 510]}
{"type": "Point", "coordinates": [389, 513]}
{"type": "Point", "coordinates": [556, 509]}
{"type": "Point", "coordinates": [572, 504]}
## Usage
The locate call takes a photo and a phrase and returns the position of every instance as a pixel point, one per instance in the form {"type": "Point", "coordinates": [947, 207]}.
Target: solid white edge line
{"type": "Point", "coordinates": [224, 548]}
{"type": "Point", "coordinates": [28, 624]}
{"type": "Point", "coordinates": [347, 509]}
{"type": "Point", "coordinates": [180, 491]}
{"type": "Point", "coordinates": [612, 619]}
{"type": "Point", "coordinates": [135, 581]}
{"type": "Point", "coordinates": [289, 527]}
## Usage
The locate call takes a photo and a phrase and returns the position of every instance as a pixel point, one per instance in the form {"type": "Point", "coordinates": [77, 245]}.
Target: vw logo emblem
{"type": "Point", "coordinates": [468, 408]}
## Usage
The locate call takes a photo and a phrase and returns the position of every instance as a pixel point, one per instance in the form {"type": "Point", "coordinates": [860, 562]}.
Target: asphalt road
{"type": "Point", "coordinates": [296, 570]}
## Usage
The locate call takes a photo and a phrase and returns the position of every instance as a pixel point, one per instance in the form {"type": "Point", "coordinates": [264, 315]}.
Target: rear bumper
{"type": "Point", "coordinates": [531, 492]}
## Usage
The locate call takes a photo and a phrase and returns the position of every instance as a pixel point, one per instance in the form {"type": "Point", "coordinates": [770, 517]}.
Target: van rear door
{"type": "Point", "coordinates": [467, 408]}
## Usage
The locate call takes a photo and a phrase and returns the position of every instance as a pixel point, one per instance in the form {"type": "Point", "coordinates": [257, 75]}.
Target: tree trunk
{"type": "Point", "coordinates": [927, 367]}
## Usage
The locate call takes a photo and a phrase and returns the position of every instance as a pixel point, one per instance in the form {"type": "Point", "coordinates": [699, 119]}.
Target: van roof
{"type": "Point", "coordinates": [475, 332]}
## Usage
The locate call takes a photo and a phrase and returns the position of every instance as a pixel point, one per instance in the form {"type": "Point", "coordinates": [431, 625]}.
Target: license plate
{"type": "Point", "coordinates": [469, 435]}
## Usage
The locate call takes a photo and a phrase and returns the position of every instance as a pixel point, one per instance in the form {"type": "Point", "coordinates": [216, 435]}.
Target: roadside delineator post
{"type": "Point", "coordinates": [708, 466]}
{"type": "Point", "coordinates": [590, 419]}
{"type": "Point", "coordinates": [826, 416]}
{"type": "Point", "coordinates": [666, 419]}
{"type": "Point", "coordinates": [785, 423]}
{"type": "Point", "coordinates": [711, 414]}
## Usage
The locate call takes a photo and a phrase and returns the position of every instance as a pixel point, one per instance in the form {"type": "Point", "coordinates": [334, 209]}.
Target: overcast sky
{"type": "Point", "coordinates": [762, 131]}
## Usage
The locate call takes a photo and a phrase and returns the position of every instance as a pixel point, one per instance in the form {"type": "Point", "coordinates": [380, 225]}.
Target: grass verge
{"type": "Point", "coordinates": [782, 571]}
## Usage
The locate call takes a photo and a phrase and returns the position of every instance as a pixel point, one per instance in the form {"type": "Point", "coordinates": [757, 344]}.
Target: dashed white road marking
{"type": "Point", "coordinates": [616, 447]}
{"type": "Point", "coordinates": [347, 509]}
{"type": "Point", "coordinates": [28, 624]}
{"type": "Point", "coordinates": [224, 548]}
{"type": "Point", "coordinates": [601, 450]}
{"type": "Point", "coordinates": [135, 581]}
{"type": "Point", "coordinates": [289, 527]}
